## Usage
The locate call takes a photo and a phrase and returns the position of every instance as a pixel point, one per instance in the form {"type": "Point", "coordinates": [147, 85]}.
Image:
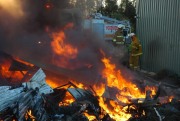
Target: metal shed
{"type": "Point", "coordinates": [158, 28]}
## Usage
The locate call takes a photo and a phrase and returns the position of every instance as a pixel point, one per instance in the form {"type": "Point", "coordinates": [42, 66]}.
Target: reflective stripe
{"type": "Point", "coordinates": [120, 43]}
{"type": "Point", "coordinates": [136, 54]}
{"type": "Point", "coordinates": [139, 53]}
{"type": "Point", "coordinates": [120, 36]}
{"type": "Point", "coordinates": [135, 67]}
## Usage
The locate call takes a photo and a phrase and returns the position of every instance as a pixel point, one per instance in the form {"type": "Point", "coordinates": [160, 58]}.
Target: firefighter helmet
{"type": "Point", "coordinates": [131, 34]}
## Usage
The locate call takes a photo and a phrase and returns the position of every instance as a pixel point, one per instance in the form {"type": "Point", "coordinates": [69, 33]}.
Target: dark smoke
{"type": "Point", "coordinates": [20, 37]}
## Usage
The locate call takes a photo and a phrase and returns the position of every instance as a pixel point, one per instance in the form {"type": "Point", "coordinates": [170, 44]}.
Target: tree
{"type": "Point", "coordinates": [128, 11]}
{"type": "Point", "coordinates": [87, 6]}
{"type": "Point", "coordinates": [110, 9]}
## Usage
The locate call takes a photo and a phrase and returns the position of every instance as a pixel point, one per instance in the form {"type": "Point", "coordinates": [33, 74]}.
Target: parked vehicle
{"type": "Point", "coordinates": [105, 27]}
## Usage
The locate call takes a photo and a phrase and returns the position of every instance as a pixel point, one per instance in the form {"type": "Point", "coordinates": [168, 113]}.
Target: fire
{"type": "Point", "coordinates": [24, 62]}
{"type": "Point", "coordinates": [90, 117]}
{"type": "Point", "coordinates": [122, 98]}
{"type": "Point", "coordinates": [79, 85]}
{"type": "Point", "coordinates": [13, 75]}
{"type": "Point", "coordinates": [117, 113]}
{"type": "Point", "coordinates": [170, 98]}
{"type": "Point", "coordinates": [69, 25]}
{"type": "Point", "coordinates": [115, 79]}
{"type": "Point", "coordinates": [67, 100]}
{"type": "Point", "coordinates": [29, 116]}
{"type": "Point", "coordinates": [99, 89]}
{"type": "Point", "coordinates": [126, 89]}
{"type": "Point", "coordinates": [52, 83]}
{"type": "Point", "coordinates": [153, 90]}
{"type": "Point", "coordinates": [62, 50]}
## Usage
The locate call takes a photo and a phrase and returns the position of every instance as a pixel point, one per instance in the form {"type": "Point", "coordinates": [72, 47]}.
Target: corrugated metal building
{"type": "Point", "coordinates": [158, 28]}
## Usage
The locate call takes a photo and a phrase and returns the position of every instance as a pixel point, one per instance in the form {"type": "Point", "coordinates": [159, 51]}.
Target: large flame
{"type": "Point", "coordinates": [61, 48]}
{"type": "Point", "coordinates": [115, 79]}
{"type": "Point", "coordinates": [63, 51]}
{"type": "Point", "coordinates": [99, 89]}
{"type": "Point", "coordinates": [126, 89]}
{"type": "Point", "coordinates": [117, 113]}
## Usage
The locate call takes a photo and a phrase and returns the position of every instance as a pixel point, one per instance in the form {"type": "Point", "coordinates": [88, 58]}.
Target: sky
{"type": "Point", "coordinates": [118, 1]}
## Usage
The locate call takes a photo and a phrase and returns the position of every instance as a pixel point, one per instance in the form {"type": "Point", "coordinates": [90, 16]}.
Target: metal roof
{"type": "Point", "coordinates": [158, 28]}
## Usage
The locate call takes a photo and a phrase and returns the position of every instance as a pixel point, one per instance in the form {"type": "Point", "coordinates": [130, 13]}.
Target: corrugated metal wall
{"type": "Point", "coordinates": [158, 28]}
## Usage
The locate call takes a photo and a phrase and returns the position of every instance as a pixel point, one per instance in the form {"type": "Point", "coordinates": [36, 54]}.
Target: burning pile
{"type": "Point", "coordinates": [95, 88]}
{"type": "Point", "coordinates": [75, 101]}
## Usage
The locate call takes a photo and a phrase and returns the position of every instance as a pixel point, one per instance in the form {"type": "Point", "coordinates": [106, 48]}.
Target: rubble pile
{"type": "Point", "coordinates": [32, 99]}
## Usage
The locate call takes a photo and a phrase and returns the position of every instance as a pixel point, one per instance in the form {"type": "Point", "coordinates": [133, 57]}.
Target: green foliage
{"type": "Point", "coordinates": [129, 11]}
{"type": "Point", "coordinates": [110, 9]}
{"type": "Point", "coordinates": [126, 10]}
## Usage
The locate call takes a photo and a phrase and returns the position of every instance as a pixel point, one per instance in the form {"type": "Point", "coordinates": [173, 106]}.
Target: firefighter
{"type": "Point", "coordinates": [135, 50]}
{"type": "Point", "coordinates": [118, 36]}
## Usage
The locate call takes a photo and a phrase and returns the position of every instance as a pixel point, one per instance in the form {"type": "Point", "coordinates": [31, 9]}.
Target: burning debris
{"type": "Point", "coordinates": [51, 37]}
{"type": "Point", "coordinates": [33, 99]}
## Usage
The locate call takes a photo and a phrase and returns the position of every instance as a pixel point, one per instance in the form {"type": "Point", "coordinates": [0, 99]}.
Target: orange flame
{"type": "Point", "coordinates": [117, 113]}
{"type": "Point", "coordinates": [29, 115]}
{"type": "Point", "coordinates": [115, 79]}
{"type": "Point", "coordinates": [99, 89]}
{"type": "Point", "coordinates": [78, 84]}
{"type": "Point", "coordinates": [52, 83]}
{"type": "Point", "coordinates": [67, 100]}
{"type": "Point", "coordinates": [69, 25]}
{"type": "Point", "coordinates": [14, 75]}
{"type": "Point", "coordinates": [170, 98]}
{"type": "Point", "coordinates": [90, 117]}
{"type": "Point", "coordinates": [24, 62]}
{"type": "Point", "coordinates": [126, 89]}
{"type": "Point", "coordinates": [153, 89]}
{"type": "Point", "coordinates": [62, 50]}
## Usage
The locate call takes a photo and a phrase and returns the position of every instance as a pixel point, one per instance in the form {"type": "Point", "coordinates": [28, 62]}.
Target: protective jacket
{"type": "Point", "coordinates": [135, 47]}
{"type": "Point", "coordinates": [135, 50]}
{"type": "Point", "coordinates": [118, 37]}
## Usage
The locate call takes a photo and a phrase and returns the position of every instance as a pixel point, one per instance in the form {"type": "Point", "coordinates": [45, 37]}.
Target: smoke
{"type": "Point", "coordinates": [22, 31]}
{"type": "Point", "coordinates": [26, 33]}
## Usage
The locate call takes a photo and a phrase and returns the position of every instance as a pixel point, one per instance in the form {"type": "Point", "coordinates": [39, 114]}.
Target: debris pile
{"type": "Point", "coordinates": [34, 100]}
